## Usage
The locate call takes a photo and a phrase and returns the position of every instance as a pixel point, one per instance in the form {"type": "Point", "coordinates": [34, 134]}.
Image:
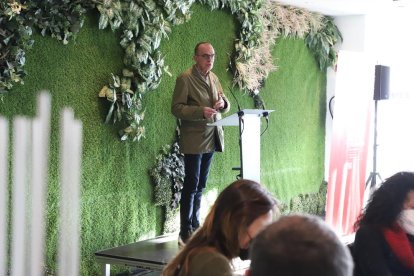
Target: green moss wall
{"type": "Point", "coordinates": [117, 194]}
{"type": "Point", "coordinates": [293, 148]}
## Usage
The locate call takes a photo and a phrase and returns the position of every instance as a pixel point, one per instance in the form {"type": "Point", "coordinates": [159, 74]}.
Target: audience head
{"type": "Point", "coordinates": [241, 210]}
{"type": "Point", "coordinates": [387, 203]}
{"type": "Point", "coordinates": [239, 213]}
{"type": "Point", "coordinates": [299, 245]}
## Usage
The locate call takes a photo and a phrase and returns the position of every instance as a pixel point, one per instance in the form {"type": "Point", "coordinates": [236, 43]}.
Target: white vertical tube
{"type": "Point", "coordinates": [4, 195]}
{"type": "Point", "coordinates": [40, 150]}
{"type": "Point", "coordinates": [21, 138]}
{"type": "Point", "coordinates": [70, 168]}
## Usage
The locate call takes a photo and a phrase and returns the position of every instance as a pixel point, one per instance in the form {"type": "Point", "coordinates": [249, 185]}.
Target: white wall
{"type": "Point", "coordinates": [353, 30]}
{"type": "Point", "coordinates": [384, 37]}
{"type": "Point", "coordinates": [391, 41]}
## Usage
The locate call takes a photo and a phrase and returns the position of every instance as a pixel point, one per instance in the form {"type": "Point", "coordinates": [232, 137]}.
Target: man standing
{"type": "Point", "coordinates": [197, 101]}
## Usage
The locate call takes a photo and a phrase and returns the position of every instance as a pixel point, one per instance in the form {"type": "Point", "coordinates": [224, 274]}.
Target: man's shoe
{"type": "Point", "coordinates": [181, 243]}
{"type": "Point", "coordinates": [183, 237]}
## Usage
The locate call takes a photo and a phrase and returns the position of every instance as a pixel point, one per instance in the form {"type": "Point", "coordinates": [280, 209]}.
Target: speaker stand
{"type": "Point", "coordinates": [372, 179]}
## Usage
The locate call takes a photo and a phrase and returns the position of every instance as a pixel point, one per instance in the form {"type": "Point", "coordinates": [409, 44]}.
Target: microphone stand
{"type": "Point", "coordinates": [240, 114]}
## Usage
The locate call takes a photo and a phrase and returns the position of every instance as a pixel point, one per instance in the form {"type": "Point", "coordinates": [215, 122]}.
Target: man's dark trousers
{"type": "Point", "coordinates": [197, 167]}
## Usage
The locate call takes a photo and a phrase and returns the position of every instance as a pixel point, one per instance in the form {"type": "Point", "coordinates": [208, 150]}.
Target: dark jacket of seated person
{"type": "Point", "coordinates": [384, 241]}
{"type": "Point", "coordinates": [374, 256]}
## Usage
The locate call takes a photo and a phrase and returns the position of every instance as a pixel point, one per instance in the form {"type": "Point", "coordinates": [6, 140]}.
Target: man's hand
{"type": "Point", "coordinates": [219, 104]}
{"type": "Point", "coordinates": [208, 112]}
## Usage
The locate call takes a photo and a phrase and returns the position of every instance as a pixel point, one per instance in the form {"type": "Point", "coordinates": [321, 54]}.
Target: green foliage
{"type": "Point", "coordinates": [168, 178]}
{"type": "Point", "coordinates": [177, 11]}
{"type": "Point", "coordinates": [286, 21]}
{"type": "Point", "coordinates": [258, 101]}
{"type": "Point", "coordinates": [143, 26]}
{"type": "Point", "coordinates": [251, 27]}
{"type": "Point", "coordinates": [322, 43]}
{"type": "Point", "coordinates": [59, 19]}
{"type": "Point", "coordinates": [246, 12]}
{"type": "Point", "coordinates": [170, 220]}
{"type": "Point", "coordinates": [312, 203]}
{"type": "Point", "coordinates": [126, 105]}
{"type": "Point", "coordinates": [15, 39]}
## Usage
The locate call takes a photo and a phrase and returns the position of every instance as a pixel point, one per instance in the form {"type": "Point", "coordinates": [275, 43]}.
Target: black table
{"type": "Point", "coordinates": [152, 254]}
{"type": "Point", "coordinates": [149, 255]}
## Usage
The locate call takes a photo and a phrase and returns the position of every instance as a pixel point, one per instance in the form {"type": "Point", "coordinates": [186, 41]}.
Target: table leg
{"type": "Point", "coordinates": [106, 269]}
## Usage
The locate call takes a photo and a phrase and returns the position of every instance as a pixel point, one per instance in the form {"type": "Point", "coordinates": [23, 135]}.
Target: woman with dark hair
{"type": "Point", "coordinates": [240, 212]}
{"type": "Point", "coordinates": [384, 241]}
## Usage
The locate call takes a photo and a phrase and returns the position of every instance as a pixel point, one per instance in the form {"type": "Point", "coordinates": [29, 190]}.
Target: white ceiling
{"type": "Point", "coordinates": [346, 7]}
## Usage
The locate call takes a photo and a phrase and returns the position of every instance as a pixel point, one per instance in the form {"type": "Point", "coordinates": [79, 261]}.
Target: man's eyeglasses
{"type": "Point", "coordinates": [207, 56]}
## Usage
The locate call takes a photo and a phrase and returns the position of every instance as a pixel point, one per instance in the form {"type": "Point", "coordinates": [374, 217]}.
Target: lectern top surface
{"type": "Point", "coordinates": [233, 119]}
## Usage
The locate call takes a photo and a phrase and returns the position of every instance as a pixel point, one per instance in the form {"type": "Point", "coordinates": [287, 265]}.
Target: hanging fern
{"type": "Point", "coordinates": [322, 43]}
{"type": "Point", "coordinates": [168, 178]}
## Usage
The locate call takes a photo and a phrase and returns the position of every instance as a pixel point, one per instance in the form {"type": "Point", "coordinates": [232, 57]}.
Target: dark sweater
{"type": "Point", "coordinates": [374, 257]}
{"type": "Point", "coordinates": [208, 263]}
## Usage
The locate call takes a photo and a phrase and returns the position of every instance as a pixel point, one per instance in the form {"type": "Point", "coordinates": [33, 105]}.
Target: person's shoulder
{"type": "Point", "coordinates": [212, 75]}
{"type": "Point", "coordinates": [186, 73]}
{"type": "Point", "coordinates": [210, 262]}
{"type": "Point", "coordinates": [208, 255]}
{"type": "Point", "coordinates": [367, 232]}
{"type": "Point", "coordinates": [364, 229]}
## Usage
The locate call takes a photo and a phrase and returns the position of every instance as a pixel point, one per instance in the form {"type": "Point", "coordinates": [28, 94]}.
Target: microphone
{"type": "Point", "coordinates": [240, 112]}
{"type": "Point", "coordinates": [266, 116]}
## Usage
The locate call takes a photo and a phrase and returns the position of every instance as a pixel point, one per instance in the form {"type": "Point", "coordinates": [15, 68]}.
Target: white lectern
{"type": "Point", "coordinates": [248, 121]}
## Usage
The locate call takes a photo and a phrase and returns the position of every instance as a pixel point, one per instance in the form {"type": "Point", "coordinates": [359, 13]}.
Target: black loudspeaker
{"type": "Point", "coordinates": [382, 82]}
